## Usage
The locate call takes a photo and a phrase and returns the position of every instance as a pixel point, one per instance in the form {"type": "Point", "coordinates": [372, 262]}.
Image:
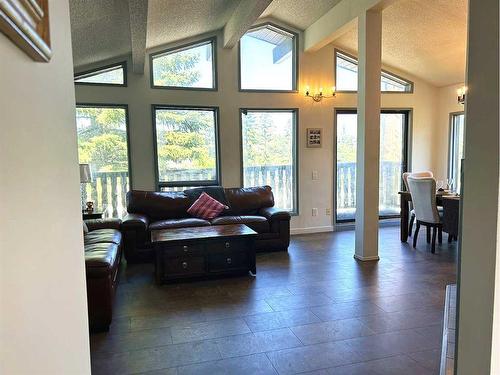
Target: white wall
{"type": "Point", "coordinates": [315, 70]}
{"type": "Point", "coordinates": [43, 307]}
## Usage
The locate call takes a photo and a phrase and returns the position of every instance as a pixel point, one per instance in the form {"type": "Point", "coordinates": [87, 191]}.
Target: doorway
{"type": "Point", "coordinates": [394, 125]}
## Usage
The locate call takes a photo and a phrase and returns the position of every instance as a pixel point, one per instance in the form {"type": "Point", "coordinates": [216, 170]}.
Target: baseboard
{"type": "Point", "coordinates": [366, 259]}
{"type": "Point", "coordinates": [308, 230]}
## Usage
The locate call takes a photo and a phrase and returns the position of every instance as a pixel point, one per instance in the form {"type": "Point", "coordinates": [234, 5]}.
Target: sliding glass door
{"type": "Point", "coordinates": [393, 162]}
{"type": "Point", "coordinates": [456, 152]}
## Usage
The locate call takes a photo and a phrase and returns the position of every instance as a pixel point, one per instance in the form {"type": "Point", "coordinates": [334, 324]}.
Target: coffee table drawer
{"type": "Point", "coordinates": [230, 245]}
{"type": "Point", "coordinates": [183, 251]}
{"type": "Point", "coordinates": [227, 261]}
{"type": "Point", "coordinates": [184, 266]}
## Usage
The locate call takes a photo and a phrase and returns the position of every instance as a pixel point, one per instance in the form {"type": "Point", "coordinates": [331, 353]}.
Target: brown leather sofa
{"type": "Point", "coordinates": [103, 244]}
{"type": "Point", "coordinates": [148, 210]}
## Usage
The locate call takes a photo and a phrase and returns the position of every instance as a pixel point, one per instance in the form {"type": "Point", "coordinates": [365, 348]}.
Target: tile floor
{"type": "Point", "coordinates": [312, 310]}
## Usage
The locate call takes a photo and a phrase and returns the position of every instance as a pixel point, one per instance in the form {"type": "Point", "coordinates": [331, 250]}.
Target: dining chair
{"type": "Point", "coordinates": [423, 193]}
{"type": "Point", "coordinates": [405, 180]}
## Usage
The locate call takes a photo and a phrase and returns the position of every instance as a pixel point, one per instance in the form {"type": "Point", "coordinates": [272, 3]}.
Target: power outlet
{"type": "Point", "coordinates": [315, 212]}
{"type": "Point", "coordinates": [328, 211]}
{"type": "Point", "coordinates": [315, 175]}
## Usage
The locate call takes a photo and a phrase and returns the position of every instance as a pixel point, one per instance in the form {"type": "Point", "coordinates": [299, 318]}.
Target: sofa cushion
{"type": "Point", "coordinates": [101, 258]}
{"type": "Point", "coordinates": [206, 207]}
{"type": "Point", "coordinates": [178, 223]}
{"type": "Point", "coordinates": [216, 192]}
{"type": "Point", "coordinates": [257, 223]}
{"type": "Point", "coordinates": [248, 201]}
{"type": "Point", "coordinates": [158, 205]}
{"type": "Point", "coordinates": [107, 223]}
{"type": "Point", "coordinates": [103, 236]}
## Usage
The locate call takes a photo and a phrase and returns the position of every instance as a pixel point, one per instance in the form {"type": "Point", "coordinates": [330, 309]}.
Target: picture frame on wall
{"type": "Point", "coordinates": [314, 137]}
{"type": "Point", "coordinates": [26, 24]}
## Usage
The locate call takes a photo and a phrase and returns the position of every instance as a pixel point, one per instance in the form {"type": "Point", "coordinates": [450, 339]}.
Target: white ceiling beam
{"type": "Point", "coordinates": [138, 13]}
{"type": "Point", "coordinates": [337, 21]}
{"type": "Point", "coordinates": [244, 16]}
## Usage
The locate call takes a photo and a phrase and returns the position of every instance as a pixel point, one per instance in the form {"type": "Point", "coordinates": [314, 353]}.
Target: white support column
{"type": "Point", "coordinates": [368, 148]}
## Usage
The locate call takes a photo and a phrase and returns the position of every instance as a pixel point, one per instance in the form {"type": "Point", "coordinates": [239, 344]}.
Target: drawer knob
{"type": "Point", "coordinates": [184, 265]}
{"type": "Point", "coordinates": [227, 244]}
{"type": "Point", "coordinates": [185, 248]}
{"type": "Point", "coordinates": [229, 260]}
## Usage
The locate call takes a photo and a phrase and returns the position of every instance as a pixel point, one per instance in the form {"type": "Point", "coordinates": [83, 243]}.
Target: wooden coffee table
{"type": "Point", "coordinates": [203, 251]}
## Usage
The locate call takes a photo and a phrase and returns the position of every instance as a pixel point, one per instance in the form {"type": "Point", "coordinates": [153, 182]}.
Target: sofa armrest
{"type": "Point", "coordinates": [135, 222]}
{"type": "Point", "coordinates": [94, 224]}
{"type": "Point", "coordinates": [273, 213]}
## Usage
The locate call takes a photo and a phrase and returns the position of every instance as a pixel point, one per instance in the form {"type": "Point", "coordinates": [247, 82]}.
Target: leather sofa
{"type": "Point", "coordinates": [148, 210]}
{"type": "Point", "coordinates": [103, 249]}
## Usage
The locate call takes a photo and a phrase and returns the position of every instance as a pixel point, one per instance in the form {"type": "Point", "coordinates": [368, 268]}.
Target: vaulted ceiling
{"type": "Point", "coordinates": [423, 37]}
{"type": "Point", "coordinates": [426, 38]}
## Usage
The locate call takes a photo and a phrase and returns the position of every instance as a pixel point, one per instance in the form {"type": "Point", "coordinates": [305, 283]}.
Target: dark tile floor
{"type": "Point", "coordinates": [312, 310]}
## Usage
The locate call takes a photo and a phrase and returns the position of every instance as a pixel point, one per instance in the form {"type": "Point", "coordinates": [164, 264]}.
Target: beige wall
{"type": "Point", "coordinates": [478, 341]}
{"type": "Point", "coordinates": [43, 308]}
{"type": "Point", "coordinates": [315, 70]}
{"type": "Point", "coordinates": [447, 104]}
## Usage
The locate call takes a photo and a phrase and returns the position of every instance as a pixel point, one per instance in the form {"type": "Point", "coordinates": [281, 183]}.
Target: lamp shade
{"type": "Point", "coordinates": [85, 174]}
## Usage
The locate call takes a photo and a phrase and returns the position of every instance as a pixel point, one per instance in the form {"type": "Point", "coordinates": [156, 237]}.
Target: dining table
{"type": "Point", "coordinates": [451, 209]}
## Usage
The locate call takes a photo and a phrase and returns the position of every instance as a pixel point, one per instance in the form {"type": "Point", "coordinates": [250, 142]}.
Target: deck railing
{"type": "Point", "coordinates": [108, 189]}
{"type": "Point", "coordinates": [390, 184]}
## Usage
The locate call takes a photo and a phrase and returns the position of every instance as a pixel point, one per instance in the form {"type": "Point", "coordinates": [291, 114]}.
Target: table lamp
{"type": "Point", "coordinates": [85, 177]}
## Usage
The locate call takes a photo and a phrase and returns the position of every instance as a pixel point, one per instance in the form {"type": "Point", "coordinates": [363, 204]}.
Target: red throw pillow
{"type": "Point", "coordinates": [206, 207]}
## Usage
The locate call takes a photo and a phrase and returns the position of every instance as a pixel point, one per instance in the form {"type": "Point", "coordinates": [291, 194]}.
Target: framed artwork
{"type": "Point", "coordinates": [26, 23]}
{"type": "Point", "coordinates": [314, 137]}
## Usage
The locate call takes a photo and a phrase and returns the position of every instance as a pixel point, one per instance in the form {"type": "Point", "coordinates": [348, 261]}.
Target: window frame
{"type": "Point", "coordinates": [406, 151]}
{"type": "Point", "coordinates": [295, 149]}
{"type": "Point", "coordinates": [295, 59]}
{"type": "Point", "coordinates": [127, 129]}
{"type": "Point", "coordinates": [189, 184]}
{"type": "Point", "coordinates": [452, 148]}
{"type": "Point", "coordinates": [184, 47]}
{"type": "Point", "coordinates": [383, 72]}
{"type": "Point", "coordinates": [103, 69]}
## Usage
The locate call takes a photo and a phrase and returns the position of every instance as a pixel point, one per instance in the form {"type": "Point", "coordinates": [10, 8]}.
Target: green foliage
{"type": "Point", "coordinates": [102, 138]}
{"type": "Point", "coordinates": [185, 139]}
{"type": "Point", "coordinates": [265, 142]}
{"type": "Point", "coordinates": [177, 69]}
{"type": "Point", "coordinates": [346, 149]}
{"type": "Point", "coordinates": [106, 152]}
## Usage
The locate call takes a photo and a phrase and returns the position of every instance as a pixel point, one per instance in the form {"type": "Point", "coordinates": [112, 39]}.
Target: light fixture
{"type": "Point", "coordinates": [461, 94]}
{"type": "Point", "coordinates": [317, 97]}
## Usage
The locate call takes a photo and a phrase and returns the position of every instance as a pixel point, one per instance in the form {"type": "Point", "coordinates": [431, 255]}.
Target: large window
{"type": "Point", "coordinates": [269, 153]}
{"type": "Point", "coordinates": [456, 149]}
{"type": "Point", "coordinates": [191, 67]}
{"type": "Point", "coordinates": [393, 162]}
{"type": "Point", "coordinates": [186, 147]}
{"type": "Point", "coordinates": [103, 143]}
{"type": "Point", "coordinates": [346, 76]}
{"type": "Point", "coordinates": [112, 75]}
{"type": "Point", "coordinates": [268, 60]}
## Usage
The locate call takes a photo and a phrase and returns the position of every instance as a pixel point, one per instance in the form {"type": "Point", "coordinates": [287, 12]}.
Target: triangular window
{"type": "Point", "coordinates": [191, 66]}
{"type": "Point", "coordinates": [110, 75]}
{"type": "Point", "coordinates": [346, 76]}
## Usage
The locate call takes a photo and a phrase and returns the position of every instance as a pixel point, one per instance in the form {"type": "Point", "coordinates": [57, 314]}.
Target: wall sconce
{"type": "Point", "coordinates": [319, 96]}
{"type": "Point", "coordinates": [461, 94]}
